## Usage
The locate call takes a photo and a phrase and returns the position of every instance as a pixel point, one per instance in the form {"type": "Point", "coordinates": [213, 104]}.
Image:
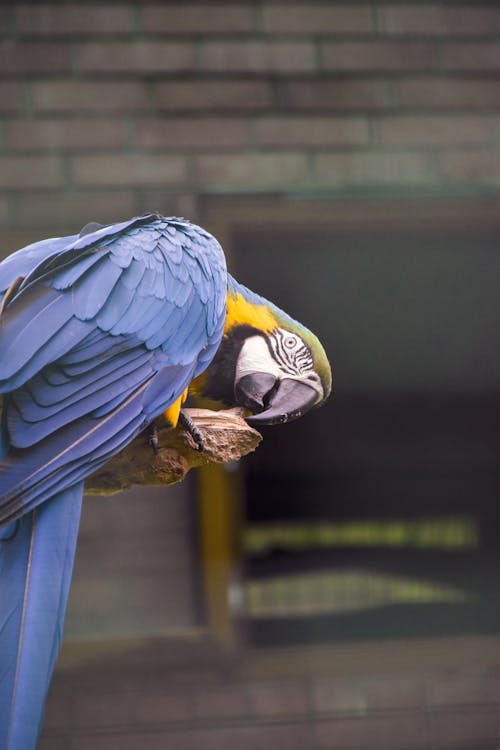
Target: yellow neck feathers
{"type": "Point", "coordinates": [242, 312]}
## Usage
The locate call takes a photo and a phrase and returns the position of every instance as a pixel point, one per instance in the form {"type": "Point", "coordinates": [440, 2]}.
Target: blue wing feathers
{"type": "Point", "coordinates": [22, 262]}
{"type": "Point", "coordinates": [66, 277]}
{"type": "Point", "coordinates": [23, 333]}
{"type": "Point", "coordinates": [166, 316]}
{"type": "Point", "coordinates": [93, 349]}
{"type": "Point", "coordinates": [30, 360]}
{"type": "Point", "coordinates": [26, 475]}
{"type": "Point", "coordinates": [158, 335]}
{"type": "Point", "coordinates": [189, 327]}
{"type": "Point", "coordinates": [136, 316]}
{"type": "Point", "coordinates": [83, 377]}
{"type": "Point", "coordinates": [107, 233]}
{"type": "Point", "coordinates": [44, 420]}
{"type": "Point", "coordinates": [115, 307]}
{"type": "Point", "coordinates": [92, 291]}
{"type": "Point", "coordinates": [132, 275]}
{"type": "Point", "coordinates": [102, 335]}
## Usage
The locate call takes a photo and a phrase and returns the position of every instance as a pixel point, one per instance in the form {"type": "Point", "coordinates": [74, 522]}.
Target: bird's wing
{"type": "Point", "coordinates": [100, 338]}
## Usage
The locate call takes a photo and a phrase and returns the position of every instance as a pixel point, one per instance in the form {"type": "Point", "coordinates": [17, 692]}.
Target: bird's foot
{"type": "Point", "coordinates": [190, 427]}
{"type": "Point", "coordinates": [153, 438]}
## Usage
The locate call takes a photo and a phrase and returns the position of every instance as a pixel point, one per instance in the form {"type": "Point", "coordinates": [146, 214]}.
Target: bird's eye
{"type": "Point", "coordinates": [290, 342]}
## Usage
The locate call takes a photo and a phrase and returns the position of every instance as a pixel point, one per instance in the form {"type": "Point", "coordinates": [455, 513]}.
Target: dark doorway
{"type": "Point", "coordinates": [378, 516]}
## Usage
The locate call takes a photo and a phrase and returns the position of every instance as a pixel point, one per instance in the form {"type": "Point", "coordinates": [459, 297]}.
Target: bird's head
{"type": "Point", "coordinates": [267, 362]}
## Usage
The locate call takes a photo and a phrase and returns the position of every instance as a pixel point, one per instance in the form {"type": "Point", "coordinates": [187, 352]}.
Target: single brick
{"type": "Point", "coordinates": [394, 693]}
{"type": "Point", "coordinates": [459, 689]}
{"type": "Point", "coordinates": [198, 18]}
{"type": "Point", "coordinates": [339, 696]}
{"type": "Point", "coordinates": [5, 16]}
{"type": "Point", "coordinates": [464, 728]}
{"type": "Point", "coordinates": [369, 168]}
{"type": "Point", "coordinates": [142, 589]}
{"type": "Point", "coordinates": [434, 130]}
{"type": "Point", "coordinates": [52, 19]}
{"type": "Point", "coordinates": [157, 706]}
{"type": "Point", "coordinates": [252, 170]}
{"type": "Point", "coordinates": [288, 699]}
{"type": "Point", "coordinates": [136, 57]}
{"type": "Point", "coordinates": [135, 555]}
{"type": "Point", "coordinates": [152, 515]}
{"type": "Point", "coordinates": [260, 737]}
{"type": "Point", "coordinates": [5, 214]}
{"type": "Point", "coordinates": [311, 131]}
{"type": "Point", "coordinates": [193, 133]}
{"type": "Point", "coordinates": [492, 687]}
{"type": "Point", "coordinates": [448, 93]}
{"type": "Point", "coordinates": [134, 170]}
{"type": "Point", "coordinates": [322, 18]}
{"type": "Point", "coordinates": [130, 741]}
{"type": "Point", "coordinates": [99, 709]}
{"type": "Point", "coordinates": [481, 167]}
{"type": "Point", "coordinates": [333, 95]}
{"type": "Point", "coordinates": [80, 96]}
{"type": "Point", "coordinates": [91, 594]}
{"type": "Point", "coordinates": [382, 733]}
{"type": "Point", "coordinates": [11, 98]}
{"type": "Point", "coordinates": [230, 701]}
{"type": "Point", "coordinates": [223, 95]}
{"type": "Point", "coordinates": [49, 742]}
{"type": "Point", "coordinates": [434, 19]}
{"type": "Point", "coordinates": [378, 56]}
{"type": "Point", "coordinates": [472, 56]}
{"type": "Point", "coordinates": [34, 57]}
{"type": "Point", "coordinates": [258, 57]}
{"type": "Point", "coordinates": [71, 211]}
{"type": "Point", "coordinates": [58, 134]}
{"type": "Point", "coordinates": [24, 172]}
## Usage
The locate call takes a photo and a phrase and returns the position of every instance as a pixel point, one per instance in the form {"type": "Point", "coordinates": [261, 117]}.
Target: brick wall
{"type": "Point", "coordinates": [210, 706]}
{"type": "Point", "coordinates": [136, 571]}
{"type": "Point", "coordinates": [108, 110]}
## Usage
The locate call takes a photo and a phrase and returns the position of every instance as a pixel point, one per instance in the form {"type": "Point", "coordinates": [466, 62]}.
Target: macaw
{"type": "Point", "coordinates": [101, 333]}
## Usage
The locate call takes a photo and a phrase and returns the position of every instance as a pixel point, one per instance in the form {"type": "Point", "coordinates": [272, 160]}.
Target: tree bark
{"type": "Point", "coordinates": [226, 437]}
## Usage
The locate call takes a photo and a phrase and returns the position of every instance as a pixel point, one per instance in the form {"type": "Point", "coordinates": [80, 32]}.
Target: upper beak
{"type": "Point", "coordinates": [274, 401]}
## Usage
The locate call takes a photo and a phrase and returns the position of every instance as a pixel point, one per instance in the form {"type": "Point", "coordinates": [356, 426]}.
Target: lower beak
{"type": "Point", "coordinates": [282, 401]}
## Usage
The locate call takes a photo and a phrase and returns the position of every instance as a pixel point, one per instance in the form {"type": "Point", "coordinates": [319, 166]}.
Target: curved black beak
{"type": "Point", "coordinates": [251, 391]}
{"type": "Point", "coordinates": [282, 401]}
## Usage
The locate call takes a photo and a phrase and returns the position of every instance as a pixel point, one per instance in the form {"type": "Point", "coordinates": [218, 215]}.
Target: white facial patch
{"type": "Point", "coordinates": [256, 357]}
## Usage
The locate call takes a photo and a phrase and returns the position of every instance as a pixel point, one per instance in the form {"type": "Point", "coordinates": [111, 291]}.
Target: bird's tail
{"type": "Point", "coordinates": [36, 562]}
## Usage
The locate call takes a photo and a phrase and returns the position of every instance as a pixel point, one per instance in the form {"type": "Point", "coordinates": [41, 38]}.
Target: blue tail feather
{"type": "Point", "coordinates": [36, 563]}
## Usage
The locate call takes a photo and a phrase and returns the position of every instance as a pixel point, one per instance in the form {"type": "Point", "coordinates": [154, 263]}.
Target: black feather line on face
{"type": "Point", "coordinates": [220, 376]}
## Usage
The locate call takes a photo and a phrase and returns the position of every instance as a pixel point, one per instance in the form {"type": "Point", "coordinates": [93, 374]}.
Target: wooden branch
{"type": "Point", "coordinates": [226, 436]}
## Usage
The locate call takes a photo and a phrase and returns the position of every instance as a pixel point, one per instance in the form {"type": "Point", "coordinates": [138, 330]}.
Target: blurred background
{"type": "Point", "coordinates": [339, 588]}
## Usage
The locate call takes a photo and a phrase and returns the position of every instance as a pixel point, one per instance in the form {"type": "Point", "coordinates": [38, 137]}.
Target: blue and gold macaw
{"type": "Point", "coordinates": [100, 334]}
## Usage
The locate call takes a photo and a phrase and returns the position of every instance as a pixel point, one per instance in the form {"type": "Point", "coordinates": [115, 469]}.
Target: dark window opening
{"type": "Point", "coordinates": [378, 515]}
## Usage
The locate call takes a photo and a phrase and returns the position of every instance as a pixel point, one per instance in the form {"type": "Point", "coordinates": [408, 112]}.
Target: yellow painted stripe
{"type": "Point", "coordinates": [219, 513]}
